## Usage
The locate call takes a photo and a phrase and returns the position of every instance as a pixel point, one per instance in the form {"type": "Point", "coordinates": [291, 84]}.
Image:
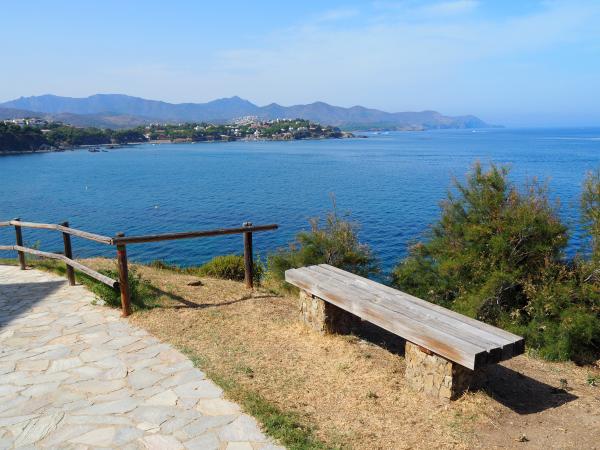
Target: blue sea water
{"type": "Point", "coordinates": [391, 182]}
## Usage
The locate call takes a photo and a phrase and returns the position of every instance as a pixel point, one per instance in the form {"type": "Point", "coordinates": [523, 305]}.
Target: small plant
{"type": "Point", "coordinates": [141, 292]}
{"type": "Point", "coordinates": [593, 380]}
{"type": "Point", "coordinates": [335, 242]}
{"type": "Point", "coordinates": [228, 267]}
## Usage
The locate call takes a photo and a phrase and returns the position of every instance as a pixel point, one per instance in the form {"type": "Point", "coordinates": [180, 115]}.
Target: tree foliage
{"type": "Point", "coordinates": [497, 254]}
{"type": "Point", "coordinates": [333, 242]}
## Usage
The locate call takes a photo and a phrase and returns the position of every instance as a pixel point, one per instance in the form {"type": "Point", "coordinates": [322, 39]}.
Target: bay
{"type": "Point", "coordinates": [391, 182]}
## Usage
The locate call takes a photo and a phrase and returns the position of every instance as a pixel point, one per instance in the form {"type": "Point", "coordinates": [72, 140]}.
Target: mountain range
{"type": "Point", "coordinates": [121, 111]}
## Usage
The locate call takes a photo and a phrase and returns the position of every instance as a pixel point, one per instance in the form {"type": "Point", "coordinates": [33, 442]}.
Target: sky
{"type": "Point", "coordinates": [516, 63]}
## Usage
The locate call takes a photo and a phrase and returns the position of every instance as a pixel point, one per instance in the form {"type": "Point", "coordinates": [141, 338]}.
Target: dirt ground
{"type": "Point", "coordinates": [351, 389]}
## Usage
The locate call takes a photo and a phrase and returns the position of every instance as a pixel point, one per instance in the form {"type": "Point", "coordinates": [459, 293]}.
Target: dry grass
{"type": "Point", "coordinates": [351, 393]}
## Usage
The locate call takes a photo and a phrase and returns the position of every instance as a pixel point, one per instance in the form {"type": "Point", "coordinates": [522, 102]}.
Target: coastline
{"type": "Point", "coordinates": [107, 147]}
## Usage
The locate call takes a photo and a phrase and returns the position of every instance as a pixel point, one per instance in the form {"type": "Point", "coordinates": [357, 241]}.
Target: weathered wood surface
{"type": "Point", "coordinates": [123, 277]}
{"type": "Point", "coordinates": [92, 273]}
{"type": "Point", "coordinates": [248, 257]}
{"type": "Point", "coordinates": [69, 254]}
{"type": "Point", "coordinates": [466, 341]}
{"type": "Point", "coordinates": [68, 230]}
{"type": "Point", "coordinates": [19, 241]}
{"type": "Point", "coordinates": [191, 234]}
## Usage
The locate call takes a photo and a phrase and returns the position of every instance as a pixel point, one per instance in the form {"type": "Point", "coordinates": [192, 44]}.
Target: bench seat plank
{"type": "Point", "coordinates": [500, 344]}
{"type": "Point", "coordinates": [458, 338]}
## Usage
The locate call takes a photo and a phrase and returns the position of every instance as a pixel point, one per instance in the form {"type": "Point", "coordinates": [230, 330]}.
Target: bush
{"type": "Point", "coordinates": [497, 254]}
{"type": "Point", "coordinates": [229, 267]}
{"type": "Point", "coordinates": [335, 243]}
{"type": "Point", "coordinates": [590, 212]}
{"type": "Point", "coordinates": [141, 292]}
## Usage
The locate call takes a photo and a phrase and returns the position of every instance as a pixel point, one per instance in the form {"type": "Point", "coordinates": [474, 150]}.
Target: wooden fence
{"type": "Point", "coordinates": [121, 241]}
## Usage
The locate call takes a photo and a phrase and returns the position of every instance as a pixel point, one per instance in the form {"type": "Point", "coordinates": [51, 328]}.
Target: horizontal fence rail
{"type": "Point", "coordinates": [121, 241]}
{"type": "Point", "coordinates": [92, 273]}
{"type": "Point", "coordinates": [64, 229]}
{"type": "Point", "coordinates": [191, 234]}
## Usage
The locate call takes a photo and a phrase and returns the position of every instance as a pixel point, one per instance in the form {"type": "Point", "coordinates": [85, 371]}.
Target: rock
{"type": "Point", "coordinates": [114, 407]}
{"type": "Point", "coordinates": [161, 442]}
{"type": "Point", "coordinates": [100, 437]}
{"type": "Point", "coordinates": [38, 428]}
{"type": "Point", "coordinates": [206, 441]}
{"type": "Point", "coordinates": [217, 407]}
{"type": "Point", "coordinates": [166, 398]}
{"type": "Point", "coordinates": [243, 428]}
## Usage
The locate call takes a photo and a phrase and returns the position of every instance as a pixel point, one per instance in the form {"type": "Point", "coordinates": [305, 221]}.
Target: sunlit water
{"type": "Point", "coordinates": [392, 183]}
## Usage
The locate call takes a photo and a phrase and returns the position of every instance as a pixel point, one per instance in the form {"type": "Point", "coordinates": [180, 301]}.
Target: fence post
{"type": "Point", "coordinates": [19, 236]}
{"type": "Point", "coordinates": [248, 257]}
{"type": "Point", "coordinates": [123, 278]}
{"type": "Point", "coordinates": [68, 254]}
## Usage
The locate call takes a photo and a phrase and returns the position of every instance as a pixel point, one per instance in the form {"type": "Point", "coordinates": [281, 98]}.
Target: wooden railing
{"type": "Point", "coordinates": [121, 241]}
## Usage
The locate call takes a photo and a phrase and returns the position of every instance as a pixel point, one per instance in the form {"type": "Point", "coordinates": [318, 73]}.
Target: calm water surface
{"type": "Point", "coordinates": [392, 183]}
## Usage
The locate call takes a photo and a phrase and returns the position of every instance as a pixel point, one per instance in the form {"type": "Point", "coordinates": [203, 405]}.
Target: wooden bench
{"type": "Point", "coordinates": [445, 351]}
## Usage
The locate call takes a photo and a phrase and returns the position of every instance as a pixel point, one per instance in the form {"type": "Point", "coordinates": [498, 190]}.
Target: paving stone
{"type": "Point", "coordinates": [151, 414]}
{"type": "Point", "coordinates": [60, 365]}
{"type": "Point", "coordinates": [239, 446]}
{"type": "Point", "coordinates": [206, 441]}
{"type": "Point", "coordinates": [99, 437]}
{"type": "Point", "coordinates": [36, 390]}
{"type": "Point", "coordinates": [161, 442]}
{"type": "Point", "coordinates": [165, 398]}
{"type": "Point", "coordinates": [37, 429]}
{"type": "Point", "coordinates": [241, 429]}
{"type": "Point", "coordinates": [205, 423]}
{"type": "Point", "coordinates": [143, 378]}
{"type": "Point", "coordinates": [97, 386]}
{"type": "Point", "coordinates": [114, 407]}
{"type": "Point", "coordinates": [217, 407]}
{"type": "Point", "coordinates": [37, 365]}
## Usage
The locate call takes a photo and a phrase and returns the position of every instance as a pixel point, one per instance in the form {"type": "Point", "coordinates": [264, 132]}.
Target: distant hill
{"type": "Point", "coordinates": [118, 111]}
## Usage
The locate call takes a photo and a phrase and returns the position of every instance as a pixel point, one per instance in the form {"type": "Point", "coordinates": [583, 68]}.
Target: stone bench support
{"type": "Point", "coordinates": [324, 317]}
{"type": "Point", "coordinates": [436, 376]}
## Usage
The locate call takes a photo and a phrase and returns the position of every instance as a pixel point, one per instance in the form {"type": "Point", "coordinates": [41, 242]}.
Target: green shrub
{"type": "Point", "coordinates": [497, 254]}
{"type": "Point", "coordinates": [229, 267]}
{"type": "Point", "coordinates": [141, 292]}
{"type": "Point", "coordinates": [590, 211]}
{"type": "Point", "coordinates": [335, 243]}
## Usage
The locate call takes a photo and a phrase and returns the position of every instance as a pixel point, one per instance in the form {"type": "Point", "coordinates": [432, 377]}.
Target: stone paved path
{"type": "Point", "coordinates": [75, 375]}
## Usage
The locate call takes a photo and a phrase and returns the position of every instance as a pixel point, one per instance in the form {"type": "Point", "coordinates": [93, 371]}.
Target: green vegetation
{"type": "Point", "coordinates": [16, 138]}
{"type": "Point", "coordinates": [281, 425]}
{"type": "Point", "coordinates": [143, 294]}
{"type": "Point", "coordinates": [228, 267]}
{"type": "Point", "coordinates": [55, 135]}
{"type": "Point", "coordinates": [497, 254]}
{"type": "Point", "coordinates": [335, 243]}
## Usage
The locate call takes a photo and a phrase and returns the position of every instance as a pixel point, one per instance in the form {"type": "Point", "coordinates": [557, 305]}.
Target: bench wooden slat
{"type": "Point", "coordinates": [492, 344]}
{"type": "Point", "coordinates": [518, 343]}
{"type": "Point", "coordinates": [446, 345]}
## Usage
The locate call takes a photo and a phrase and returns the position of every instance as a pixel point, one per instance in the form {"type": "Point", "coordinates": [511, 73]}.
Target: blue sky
{"type": "Point", "coordinates": [518, 63]}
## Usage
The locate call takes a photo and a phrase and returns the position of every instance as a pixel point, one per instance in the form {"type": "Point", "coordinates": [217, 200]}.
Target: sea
{"type": "Point", "coordinates": [390, 183]}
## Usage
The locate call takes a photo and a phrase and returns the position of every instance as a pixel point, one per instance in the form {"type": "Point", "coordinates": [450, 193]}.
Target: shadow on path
{"type": "Point", "coordinates": [17, 298]}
